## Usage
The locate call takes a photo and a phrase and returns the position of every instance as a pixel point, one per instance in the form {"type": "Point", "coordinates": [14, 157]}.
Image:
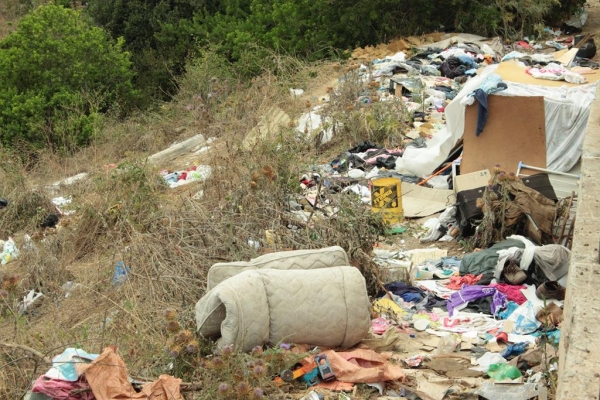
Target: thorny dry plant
{"type": "Point", "coordinates": [167, 237]}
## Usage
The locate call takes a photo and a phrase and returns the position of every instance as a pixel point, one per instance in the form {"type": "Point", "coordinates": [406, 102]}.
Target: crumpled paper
{"type": "Point", "coordinates": [363, 366]}
{"type": "Point", "coordinates": [107, 377]}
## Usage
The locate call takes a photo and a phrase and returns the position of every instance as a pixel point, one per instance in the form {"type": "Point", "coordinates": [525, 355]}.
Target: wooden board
{"type": "Point", "coordinates": [515, 131]}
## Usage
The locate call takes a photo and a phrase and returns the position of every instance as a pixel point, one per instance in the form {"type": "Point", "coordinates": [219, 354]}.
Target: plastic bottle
{"type": "Point", "coordinates": [500, 372]}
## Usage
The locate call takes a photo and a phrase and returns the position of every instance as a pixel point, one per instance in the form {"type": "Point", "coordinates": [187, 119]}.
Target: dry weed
{"type": "Point", "coordinates": [28, 205]}
{"type": "Point", "coordinates": [168, 239]}
{"type": "Point", "coordinates": [10, 12]}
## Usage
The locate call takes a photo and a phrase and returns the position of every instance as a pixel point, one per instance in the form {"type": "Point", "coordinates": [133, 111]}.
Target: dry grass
{"type": "Point", "coordinates": [167, 238]}
{"type": "Point", "coordinates": [10, 12]}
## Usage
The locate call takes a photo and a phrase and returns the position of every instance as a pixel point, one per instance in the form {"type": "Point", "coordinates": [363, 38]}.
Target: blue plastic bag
{"type": "Point", "coordinates": [121, 273]}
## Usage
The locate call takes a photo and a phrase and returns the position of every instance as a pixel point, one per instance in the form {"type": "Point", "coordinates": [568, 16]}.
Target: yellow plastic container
{"type": "Point", "coordinates": [386, 198]}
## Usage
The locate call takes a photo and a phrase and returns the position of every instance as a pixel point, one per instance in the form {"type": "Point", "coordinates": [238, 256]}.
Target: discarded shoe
{"type": "Point", "coordinates": [513, 273]}
{"type": "Point", "coordinates": [550, 290]}
{"type": "Point", "coordinates": [551, 315]}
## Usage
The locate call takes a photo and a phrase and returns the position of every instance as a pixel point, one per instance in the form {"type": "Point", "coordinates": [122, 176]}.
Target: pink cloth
{"type": "Point", "coordinates": [512, 292]}
{"type": "Point", "coordinates": [380, 325]}
{"type": "Point", "coordinates": [457, 282]}
{"type": "Point", "coordinates": [62, 390]}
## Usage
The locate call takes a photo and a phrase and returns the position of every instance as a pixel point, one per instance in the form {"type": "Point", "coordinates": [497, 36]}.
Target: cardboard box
{"type": "Point", "coordinates": [472, 180]}
{"type": "Point", "coordinates": [515, 132]}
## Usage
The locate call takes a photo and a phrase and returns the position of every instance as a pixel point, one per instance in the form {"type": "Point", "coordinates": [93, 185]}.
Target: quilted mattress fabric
{"type": "Point", "coordinates": [321, 307]}
{"type": "Point", "coordinates": [327, 257]}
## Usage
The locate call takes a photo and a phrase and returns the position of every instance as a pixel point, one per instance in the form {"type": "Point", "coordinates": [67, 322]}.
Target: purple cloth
{"type": "Point", "coordinates": [460, 299]}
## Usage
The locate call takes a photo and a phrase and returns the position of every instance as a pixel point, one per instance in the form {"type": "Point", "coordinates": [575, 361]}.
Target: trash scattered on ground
{"type": "Point", "coordinates": [9, 251]}
{"type": "Point", "coordinates": [62, 204]}
{"type": "Point", "coordinates": [121, 273]}
{"type": "Point", "coordinates": [440, 323]}
{"type": "Point", "coordinates": [100, 376]}
{"type": "Point", "coordinates": [29, 300]}
{"type": "Point", "coordinates": [184, 177]}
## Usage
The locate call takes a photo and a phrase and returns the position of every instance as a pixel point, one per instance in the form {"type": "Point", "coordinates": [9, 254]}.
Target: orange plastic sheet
{"type": "Point", "coordinates": [363, 366]}
{"type": "Point", "coordinates": [107, 377]}
{"type": "Point", "coordinates": [336, 386]}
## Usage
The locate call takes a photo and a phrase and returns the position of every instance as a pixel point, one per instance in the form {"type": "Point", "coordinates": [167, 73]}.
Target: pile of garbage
{"type": "Point", "coordinates": [458, 324]}
{"type": "Point", "coordinates": [183, 177]}
{"type": "Point", "coordinates": [451, 89]}
{"type": "Point", "coordinates": [77, 374]}
{"type": "Point", "coordinates": [440, 324]}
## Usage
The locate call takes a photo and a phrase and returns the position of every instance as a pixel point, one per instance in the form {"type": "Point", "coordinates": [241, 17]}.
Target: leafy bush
{"type": "Point", "coordinates": [313, 29]}
{"type": "Point", "coordinates": [161, 34]}
{"type": "Point", "coordinates": [56, 74]}
{"type": "Point", "coordinates": [152, 32]}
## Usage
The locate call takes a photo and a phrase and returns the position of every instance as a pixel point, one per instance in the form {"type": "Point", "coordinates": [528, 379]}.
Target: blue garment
{"type": "Point", "coordinates": [491, 84]}
{"type": "Point", "coordinates": [482, 110]}
{"type": "Point", "coordinates": [515, 349]}
{"type": "Point", "coordinates": [451, 262]}
{"type": "Point", "coordinates": [510, 308]}
{"type": "Point", "coordinates": [414, 297]}
{"type": "Point", "coordinates": [468, 61]}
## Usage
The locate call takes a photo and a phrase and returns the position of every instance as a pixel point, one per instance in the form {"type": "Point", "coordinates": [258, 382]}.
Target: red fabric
{"type": "Point", "coordinates": [380, 325]}
{"type": "Point", "coordinates": [524, 44]}
{"type": "Point", "coordinates": [457, 282]}
{"type": "Point", "coordinates": [502, 337]}
{"type": "Point", "coordinates": [61, 390]}
{"type": "Point", "coordinates": [512, 292]}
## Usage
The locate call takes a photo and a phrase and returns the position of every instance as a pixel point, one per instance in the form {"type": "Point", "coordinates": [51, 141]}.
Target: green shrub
{"type": "Point", "coordinates": [155, 34]}
{"type": "Point", "coordinates": [162, 34]}
{"type": "Point", "coordinates": [56, 74]}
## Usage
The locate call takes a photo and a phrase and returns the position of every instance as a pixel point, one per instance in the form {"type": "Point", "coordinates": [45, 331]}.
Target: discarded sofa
{"type": "Point", "coordinates": [321, 307]}
{"type": "Point", "coordinates": [334, 256]}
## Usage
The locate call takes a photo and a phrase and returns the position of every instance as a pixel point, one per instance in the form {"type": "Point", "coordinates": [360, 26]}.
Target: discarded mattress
{"type": "Point", "coordinates": [327, 257]}
{"type": "Point", "coordinates": [321, 307]}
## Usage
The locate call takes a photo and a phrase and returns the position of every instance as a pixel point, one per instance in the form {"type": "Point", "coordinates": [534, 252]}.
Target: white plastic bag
{"type": "Point", "coordinates": [10, 252]}
{"type": "Point", "coordinates": [524, 319]}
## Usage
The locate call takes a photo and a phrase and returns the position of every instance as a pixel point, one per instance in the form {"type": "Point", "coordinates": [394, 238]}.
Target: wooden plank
{"type": "Point", "coordinates": [515, 131]}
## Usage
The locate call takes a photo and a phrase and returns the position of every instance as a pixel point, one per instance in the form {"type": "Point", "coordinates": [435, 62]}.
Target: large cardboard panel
{"type": "Point", "coordinates": [515, 131]}
{"type": "Point", "coordinates": [565, 56]}
{"type": "Point", "coordinates": [419, 201]}
{"type": "Point", "coordinates": [472, 180]}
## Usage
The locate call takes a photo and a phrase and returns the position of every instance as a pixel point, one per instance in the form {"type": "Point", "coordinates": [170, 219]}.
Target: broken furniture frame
{"type": "Point", "coordinates": [565, 185]}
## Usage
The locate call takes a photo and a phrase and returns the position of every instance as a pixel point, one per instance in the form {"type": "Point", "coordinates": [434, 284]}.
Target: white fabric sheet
{"type": "Point", "coordinates": [567, 111]}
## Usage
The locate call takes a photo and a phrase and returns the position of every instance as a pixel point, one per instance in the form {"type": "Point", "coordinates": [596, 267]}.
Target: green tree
{"type": "Point", "coordinates": [154, 34]}
{"type": "Point", "coordinates": [314, 29]}
{"type": "Point", "coordinates": [57, 73]}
